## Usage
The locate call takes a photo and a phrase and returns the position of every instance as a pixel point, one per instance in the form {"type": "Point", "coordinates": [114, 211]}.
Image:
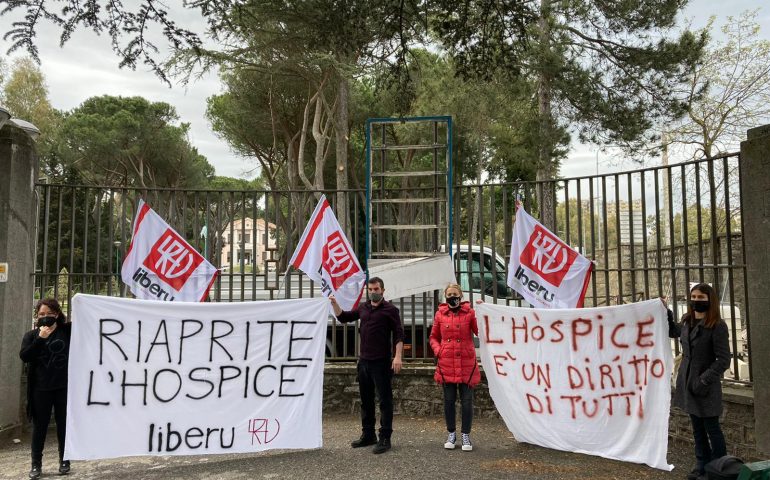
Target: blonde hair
{"type": "Point", "coordinates": [455, 286]}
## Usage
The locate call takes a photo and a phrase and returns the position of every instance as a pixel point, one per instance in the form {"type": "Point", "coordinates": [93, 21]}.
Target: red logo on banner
{"type": "Point", "coordinates": [547, 256]}
{"type": "Point", "coordinates": [172, 260]}
{"type": "Point", "coordinates": [338, 260]}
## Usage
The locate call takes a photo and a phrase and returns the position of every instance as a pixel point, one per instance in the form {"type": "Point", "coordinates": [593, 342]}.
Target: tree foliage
{"type": "Point", "coordinates": [130, 141]}
{"type": "Point", "coordinates": [130, 28]}
{"type": "Point", "coordinates": [608, 69]}
{"type": "Point", "coordinates": [25, 94]}
{"type": "Point", "coordinates": [735, 75]}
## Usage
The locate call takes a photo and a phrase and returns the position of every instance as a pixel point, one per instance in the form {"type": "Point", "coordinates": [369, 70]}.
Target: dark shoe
{"type": "Point", "coordinates": [364, 441]}
{"type": "Point", "coordinates": [382, 446]}
{"type": "Point", "coordinates": [35, 471]}
{"type": "Point", "coordinates": [64, 467]}
{"type": "Point", "coordinates": [694, 474]}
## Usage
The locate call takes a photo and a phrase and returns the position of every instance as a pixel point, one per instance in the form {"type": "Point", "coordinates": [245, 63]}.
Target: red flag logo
{"type": "Point", "coordinates": [171, 260]}
{"type": "Point", "coordinates": [338, 260]}
{"type": "Point", "coordinates": [548, 256]}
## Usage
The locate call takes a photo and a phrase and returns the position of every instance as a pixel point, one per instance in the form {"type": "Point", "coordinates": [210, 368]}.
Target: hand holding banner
{"type": "Point", "coordinates": [325, 256]}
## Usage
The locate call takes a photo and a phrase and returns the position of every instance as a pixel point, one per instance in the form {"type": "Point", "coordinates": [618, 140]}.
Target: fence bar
{"type": "Point", "coordinates": [661, 260]}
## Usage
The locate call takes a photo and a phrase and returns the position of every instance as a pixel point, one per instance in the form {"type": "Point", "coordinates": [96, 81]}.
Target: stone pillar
{"type": "Point", "coordinates": [755, 191]}
{"type": "Point", "coordinates": [18, 172]}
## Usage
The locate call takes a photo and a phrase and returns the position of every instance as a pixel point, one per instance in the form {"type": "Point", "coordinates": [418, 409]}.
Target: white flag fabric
{"type": "Point", "coordinates": [543, 269]}
{"type": "Point", "coordinates": [593, 380]}
{"type": "Point", "coordinates": [161, 265]}
{"type": "Point", "coordinates": [176, 378]}
{"type": "Point", "coordinates": [325, 256]}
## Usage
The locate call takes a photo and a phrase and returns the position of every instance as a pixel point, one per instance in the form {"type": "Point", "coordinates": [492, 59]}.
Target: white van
{"type": "Point", "coordinates": [481, 273]}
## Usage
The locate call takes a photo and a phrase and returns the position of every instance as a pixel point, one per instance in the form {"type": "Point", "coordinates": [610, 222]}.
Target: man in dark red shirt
{"type": "Point", "coordinates": [380, 320]}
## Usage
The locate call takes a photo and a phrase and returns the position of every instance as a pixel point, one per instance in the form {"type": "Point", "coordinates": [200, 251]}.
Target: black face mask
{"type": "Point", "coordinates": [453, 302]}
{"type": "Point", "coordinates": [46, 321]}
{"type": "Point", "coordinates": [700, 306]}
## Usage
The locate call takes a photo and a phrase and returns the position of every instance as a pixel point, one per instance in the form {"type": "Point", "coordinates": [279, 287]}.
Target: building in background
{"type": "Point", "coordinates": [245, 239]}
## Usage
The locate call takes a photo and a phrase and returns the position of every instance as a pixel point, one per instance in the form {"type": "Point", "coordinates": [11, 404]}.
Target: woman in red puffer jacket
{"type": "Point", "coordinates": [451, 339]}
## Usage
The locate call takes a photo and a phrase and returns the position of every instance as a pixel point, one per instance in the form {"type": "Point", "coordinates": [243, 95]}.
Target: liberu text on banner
{"type": "Point", "coordinates": [543, 269]}
{"type": "Point", "coordinates": [173, 378]}
{"type": "Point", "coordinates": [161, 265]}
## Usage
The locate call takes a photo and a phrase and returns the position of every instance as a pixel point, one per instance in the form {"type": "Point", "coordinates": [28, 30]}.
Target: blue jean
{"type": "Point", "coordinates": [709, 440]}
{"type": "Point", "coordinates": [466, 406]}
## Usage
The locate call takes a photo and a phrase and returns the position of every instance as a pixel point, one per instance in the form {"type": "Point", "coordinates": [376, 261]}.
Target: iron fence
{"type": "Point", "coordinates": [650, 232]}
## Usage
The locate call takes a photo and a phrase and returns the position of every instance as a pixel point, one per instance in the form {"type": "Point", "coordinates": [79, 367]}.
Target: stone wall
{"type": "Point", "coordinates": [416, 394]}
{"type": "Point", "coordinates": [755, 192]}
{"type": "Point", "coordinates": [18, 171]}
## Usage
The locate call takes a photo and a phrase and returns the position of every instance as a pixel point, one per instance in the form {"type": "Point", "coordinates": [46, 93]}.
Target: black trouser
{"type": "Point", "coordinates": [376, 375]}
{"type": "Point", "coordinates": [466, 406]}
{"type": "Point", "coordinates": [43, 401]}
{"type": "Point", "coordinates": [709, 440]}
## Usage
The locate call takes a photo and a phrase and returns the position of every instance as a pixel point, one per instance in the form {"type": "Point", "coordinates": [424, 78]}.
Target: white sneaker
{"type": "Point", "coordinates": [450, 441]}
{"type": "Point", "coordinates": [467, 447]}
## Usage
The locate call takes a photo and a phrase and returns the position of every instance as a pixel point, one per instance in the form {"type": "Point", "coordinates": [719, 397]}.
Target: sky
{"type": "Point", "coordinates": [86, 66]}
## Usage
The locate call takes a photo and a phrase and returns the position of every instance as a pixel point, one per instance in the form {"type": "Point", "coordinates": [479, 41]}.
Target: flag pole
{"type": "Point", "coordinates": [283, 281]}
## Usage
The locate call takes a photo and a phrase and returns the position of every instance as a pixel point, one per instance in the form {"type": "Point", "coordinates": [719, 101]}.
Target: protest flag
{"type": "Point", "coordinates": [161, 265]}
{"type": "Point", "coordinates": [544, 269]}
{"type": "Point", "coordinates": [325, 255]}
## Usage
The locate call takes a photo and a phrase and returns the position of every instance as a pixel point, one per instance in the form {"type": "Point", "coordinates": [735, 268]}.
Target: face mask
{"type": "Point", "coordinates": [453, 302]}
{"type": "Point", "coordinates": [375, 297]}
{"type": "Point", "coordinates": [46, 321]}
{"type": "Point", "coordinates": [700, 306]}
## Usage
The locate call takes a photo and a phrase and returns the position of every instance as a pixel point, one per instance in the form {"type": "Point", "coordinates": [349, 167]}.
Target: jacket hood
{"type": "Point", "coordinates": [465, 307]}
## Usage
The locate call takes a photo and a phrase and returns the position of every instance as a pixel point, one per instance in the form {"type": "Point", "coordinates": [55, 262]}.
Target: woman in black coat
{"type": "Point", "coordinates": [45, 349]}
{"type": "Point", "coordinates": [705, 357]}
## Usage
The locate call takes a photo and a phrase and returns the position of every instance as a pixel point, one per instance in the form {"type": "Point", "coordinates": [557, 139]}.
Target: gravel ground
{"type": "Point", "coordinates": [417, 453]}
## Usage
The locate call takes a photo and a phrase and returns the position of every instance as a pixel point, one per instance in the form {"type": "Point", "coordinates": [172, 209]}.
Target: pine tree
{"type": "Point", "coordinates": [608, 70]}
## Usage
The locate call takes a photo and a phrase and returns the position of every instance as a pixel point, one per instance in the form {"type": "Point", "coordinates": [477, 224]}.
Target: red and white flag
{"type": "Point", "coordinates": [161, 265]}
{"type": "Point", "coordinates": [545, 270]}
{"type": "Point", "coordinates": [325, 256]}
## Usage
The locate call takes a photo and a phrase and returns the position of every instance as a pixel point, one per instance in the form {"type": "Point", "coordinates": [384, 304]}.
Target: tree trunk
{"type": "Point", "coordinates": [299, 217]}
{"type": "Point", "coordinates": [342, 139]}
{"type": "Point", "coordinates": [322, 138]}
{"type": "Point", "coordinates": [545, 170]}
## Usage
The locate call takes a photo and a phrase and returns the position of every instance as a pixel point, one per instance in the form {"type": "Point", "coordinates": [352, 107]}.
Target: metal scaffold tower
{"type": "Point", "coordinates": [408, 188]}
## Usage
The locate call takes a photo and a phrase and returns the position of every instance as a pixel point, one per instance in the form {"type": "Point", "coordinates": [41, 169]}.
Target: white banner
{"type": "Point", "coordinates": [173, 378]}
{"type": "Point", "coordinates": [161, 265]}
{"type": "Point", "coordinates": [593, 380]}
{"type": "Point", "coordinates": [325, 256]}
{"type": "Point", "coordinates": [543, 269]}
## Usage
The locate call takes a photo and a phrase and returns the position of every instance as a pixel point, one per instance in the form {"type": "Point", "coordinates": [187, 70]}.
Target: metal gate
{"type": "Point", "coordinates": [651, 232]}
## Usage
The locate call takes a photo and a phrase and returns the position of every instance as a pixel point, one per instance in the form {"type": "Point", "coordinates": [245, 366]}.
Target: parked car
{"type": "Point", "coordinates": [481, 273]}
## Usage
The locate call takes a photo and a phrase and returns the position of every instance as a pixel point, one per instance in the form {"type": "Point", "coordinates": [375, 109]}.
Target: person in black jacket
{"type": "Point", "coordinates": [46, 351]}
{"type": "Point", "coordinates": [705, 357]}
{"type": "Point", "coordinates": [380, 321]}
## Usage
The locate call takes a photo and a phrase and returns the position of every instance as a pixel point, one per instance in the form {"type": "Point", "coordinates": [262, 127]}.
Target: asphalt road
{"type": "Point", "coordinates": [417, 453]}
